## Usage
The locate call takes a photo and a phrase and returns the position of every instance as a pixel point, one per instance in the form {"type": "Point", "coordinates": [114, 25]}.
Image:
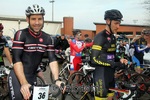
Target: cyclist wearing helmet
{"type": "Point", "coordinates": [103, 56]}
{"type": "Point", "coordinates": [28, 48]}
{"type": "Point", "coordinates": [4, 47]}
{"type": "Point", "coordinates": [122, 49]}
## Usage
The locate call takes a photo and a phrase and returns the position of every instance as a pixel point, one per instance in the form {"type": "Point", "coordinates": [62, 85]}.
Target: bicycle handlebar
{"type": "Point", "coordinates": [54, 90]}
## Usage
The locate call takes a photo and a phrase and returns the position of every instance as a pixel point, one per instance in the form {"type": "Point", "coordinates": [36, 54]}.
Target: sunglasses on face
{"type": "Point", "coordinates": [79, 34]}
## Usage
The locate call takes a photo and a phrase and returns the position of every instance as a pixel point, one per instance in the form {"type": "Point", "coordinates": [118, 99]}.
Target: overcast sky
{"type": "Point", "coordinates": [85, 12]}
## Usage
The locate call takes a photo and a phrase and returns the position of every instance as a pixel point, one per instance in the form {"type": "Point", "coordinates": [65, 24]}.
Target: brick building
{"type": "Point", "coordinates": [13, 23]}
{"type": "Point", "coordinates": [129, 30]}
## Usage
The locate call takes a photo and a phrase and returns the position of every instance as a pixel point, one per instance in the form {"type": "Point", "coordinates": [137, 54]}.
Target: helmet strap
{"type": "Point", "coordinates": [109, 25]}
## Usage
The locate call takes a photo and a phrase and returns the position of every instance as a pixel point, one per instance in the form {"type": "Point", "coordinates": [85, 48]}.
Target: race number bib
{"type": "Point", "coordinates": [2, 71]}
{"type": "Point", "coordinates": [40, 93]}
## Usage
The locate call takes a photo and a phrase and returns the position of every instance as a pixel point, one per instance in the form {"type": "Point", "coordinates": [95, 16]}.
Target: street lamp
{"type": "Point", "coordinates": [19, 24]}
{"type": "Point", "coordinates": [52, 1]}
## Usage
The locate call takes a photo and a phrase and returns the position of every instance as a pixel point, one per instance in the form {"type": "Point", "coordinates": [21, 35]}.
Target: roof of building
{"type": "Point", "coordinates": [20, 18]}
{"type": "Point", "coordinates": [134, 25]}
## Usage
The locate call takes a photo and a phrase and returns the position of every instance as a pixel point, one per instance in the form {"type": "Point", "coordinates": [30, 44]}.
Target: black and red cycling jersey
{"type": "Point", "coordinates": [29, 48]}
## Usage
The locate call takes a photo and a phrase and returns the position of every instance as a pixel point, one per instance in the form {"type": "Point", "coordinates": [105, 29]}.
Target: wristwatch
{"type": "Point", "coordinates": [56, 80]}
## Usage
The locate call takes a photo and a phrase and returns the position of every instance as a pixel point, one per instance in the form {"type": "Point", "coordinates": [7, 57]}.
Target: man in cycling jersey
{"type": "Point", "coordinates": [103, 56]}
{"type": "Point", "coordinates": [4, 47]}
{"type": "Point", "coordinates": [28, 48]}
{"type": "Point", "coordinates": [76, 48]}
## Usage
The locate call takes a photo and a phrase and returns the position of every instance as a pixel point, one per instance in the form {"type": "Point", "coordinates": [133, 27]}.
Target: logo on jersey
{"type": "Point", "coordinates": [40, 39]}
{"type": "Point", "coordinates": [109, 39]}
{"type": "Point", "coordinates": [79, 44]}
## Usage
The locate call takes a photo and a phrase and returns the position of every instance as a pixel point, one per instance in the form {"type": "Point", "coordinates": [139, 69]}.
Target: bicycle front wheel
{"type": "Point", "coordinates": [78, 85]}
{"type": "Point", "coordinates": [64, 72]}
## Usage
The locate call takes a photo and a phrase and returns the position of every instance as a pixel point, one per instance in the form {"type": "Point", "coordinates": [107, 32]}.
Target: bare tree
{"type": "Point", "coordinates": [146, 5]}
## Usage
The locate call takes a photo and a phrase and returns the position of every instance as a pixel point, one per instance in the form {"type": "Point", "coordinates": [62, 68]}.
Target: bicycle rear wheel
{"type": "Point", "coordinates": [141, 88]}
{"type": "Point", "coordinates": [78, 83]}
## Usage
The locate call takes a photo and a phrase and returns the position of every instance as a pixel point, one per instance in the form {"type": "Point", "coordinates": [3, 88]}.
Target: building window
{"type": "Point", "coordinates": [125, 33]}
{"type": "Point", "coordinates": [138, 33]}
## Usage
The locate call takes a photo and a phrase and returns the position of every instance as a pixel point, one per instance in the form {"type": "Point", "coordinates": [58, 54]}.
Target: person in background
{"type": "Point", "coordinates": [87, 39]}
{"type": "Point", "coordinates": [67, 51]}
{"type": "Point", "coordinates": [146, 57]}
{"type": "Point", "coordinates": [103, 56]}
{"type": "Point", "coordinates": [63, 43]}
{"type": "Point", "coordinates": [134, 59]}
{"type": "Point", "coordinates": [60, 48]}
{"type": "Point", "coordinates": [76, 48]}
{"type": "Point", "coordinates": [28, 49]}
{"type": "Point", "coordinates": [4, 48]}
{"type": "Point", "coordinates": [120, 50]}
{"type": "Point", "coordinates": [87, 50]}
{"type": "Point", "coordinates": [139, 53]}
{"type": "Point", "coordinates": [123, 43]}
{"type": "Point", "coordinates": [56, 42]}
{"type": "Point", "coordinates": [126, 45]}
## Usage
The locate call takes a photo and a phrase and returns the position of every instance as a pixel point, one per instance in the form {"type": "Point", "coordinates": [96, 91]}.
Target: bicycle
{"type": "Point", "coordinates": [130, 81]}
{"type": "Point", "coordinates": [83, 82]}
{"type": "Point", "coordinates": [127, 82]}
{"type": "Point", "coordinates": [64, 71]}
{"type": "Point", "coordinates": [131, 88]}
{"type": "Point", "coordinates": [45, 92]}
{"type": "Point", "coordinates": [4, 93]}
{"type": "Point", "coordinates": [44, 64]}
{"type": "Point", "coordinates": [146, 74]}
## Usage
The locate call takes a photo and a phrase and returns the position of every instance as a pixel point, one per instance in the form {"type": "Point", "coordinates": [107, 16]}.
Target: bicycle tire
{"type": "Point", "coordinates": [83, 80]}
{"type": "Point", "coordinates": [51, 77]}
{"type": "Point", "coordinates": [4, 88]}
{"type": "Point", "coordinates": [40, 81]}
{"type": "Point", "coordinates": [147, 80]}
{"type": "Point", "coordinates": [137, 79]}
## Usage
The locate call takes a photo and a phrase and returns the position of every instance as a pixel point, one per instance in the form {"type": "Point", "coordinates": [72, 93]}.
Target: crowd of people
{"type": "Point", "coordinates": [106, 53]}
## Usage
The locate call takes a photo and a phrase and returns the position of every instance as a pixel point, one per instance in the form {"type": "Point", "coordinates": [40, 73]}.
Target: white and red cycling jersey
{"type": "Point", "coordinates": [76, 48]}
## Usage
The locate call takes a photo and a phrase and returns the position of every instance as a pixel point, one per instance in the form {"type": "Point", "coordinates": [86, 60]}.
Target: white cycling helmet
{"type": "Point", "coordinates": [35, 9]}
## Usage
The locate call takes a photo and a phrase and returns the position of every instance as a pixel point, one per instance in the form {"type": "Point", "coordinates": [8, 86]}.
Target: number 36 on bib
{"type": "Point", "coordinates": [40, 93]}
